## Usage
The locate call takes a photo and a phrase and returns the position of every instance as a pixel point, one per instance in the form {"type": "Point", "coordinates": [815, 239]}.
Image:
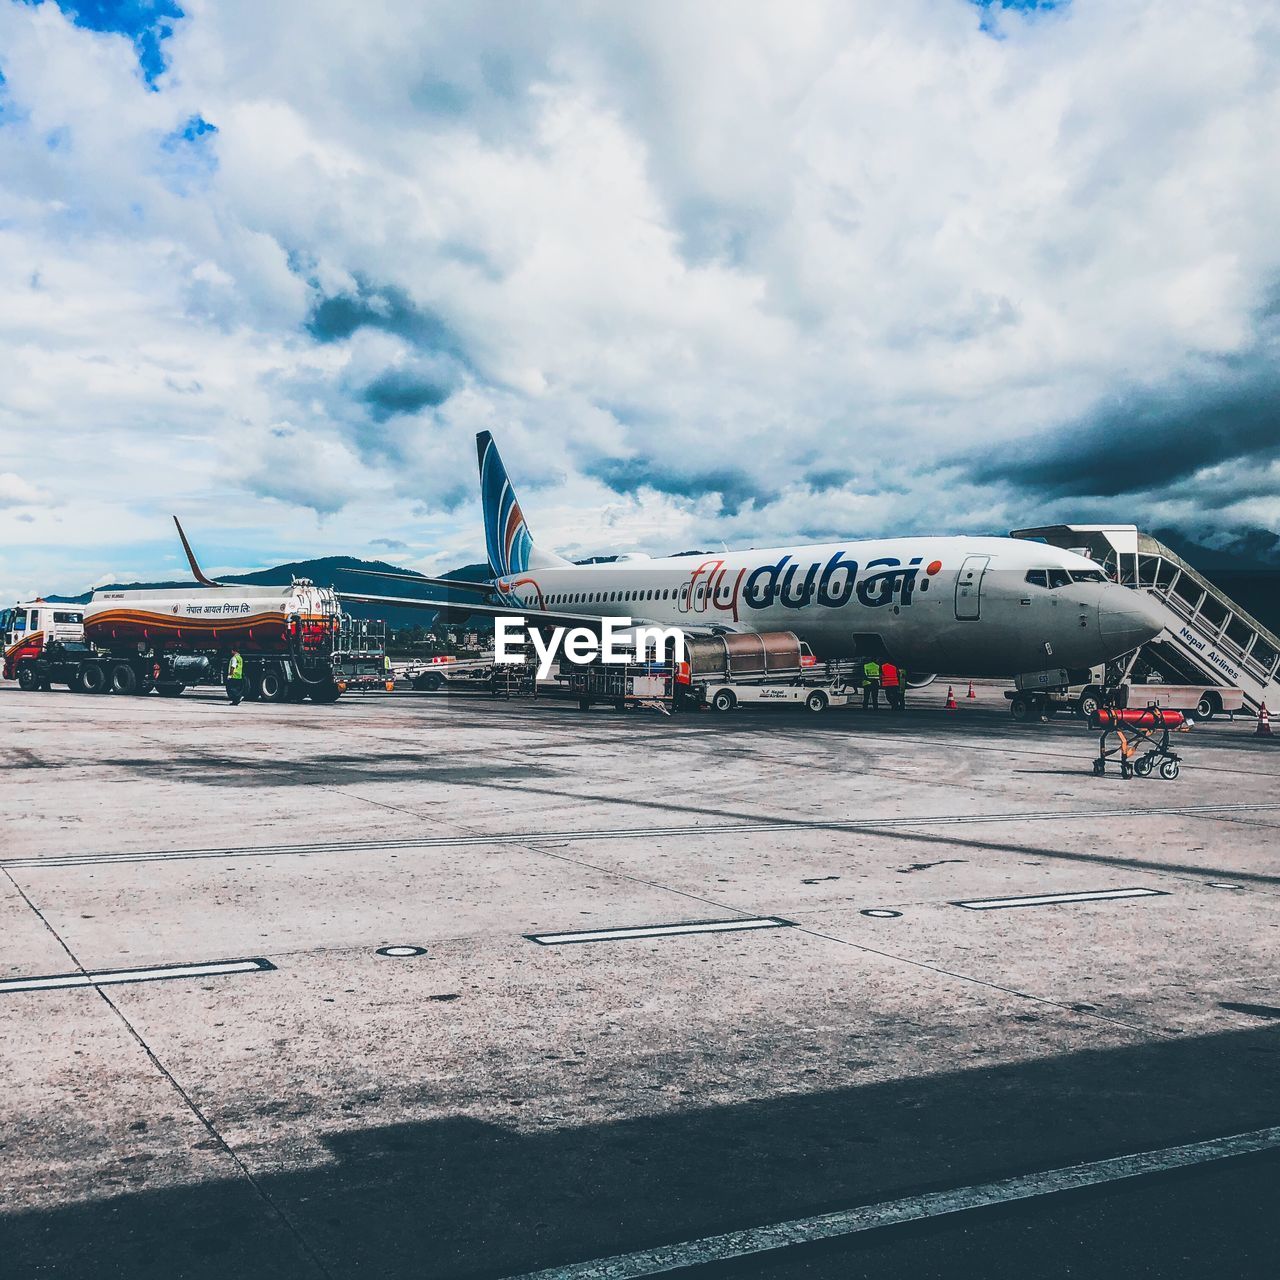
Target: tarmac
{"type": "Point", "coordinates": [840, 999]}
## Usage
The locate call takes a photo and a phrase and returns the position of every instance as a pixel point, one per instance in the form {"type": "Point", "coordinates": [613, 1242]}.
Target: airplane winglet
{"type": "Point", "coordinates": [197, 572]}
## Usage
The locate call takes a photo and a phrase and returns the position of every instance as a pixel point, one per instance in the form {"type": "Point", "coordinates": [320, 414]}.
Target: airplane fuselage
{"type": "Point", "coordinates": [955, 604]}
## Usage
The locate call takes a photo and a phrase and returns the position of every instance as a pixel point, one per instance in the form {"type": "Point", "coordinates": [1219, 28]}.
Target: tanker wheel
{"type": "Point", "coordinates": [170, 690]}
{"type": "Point", "coordinates": [273, 686]}
{"type": "Point", "coordinates": [252, 689]}
{"type": "Point", "coordinates": [124, 679]}
{"type": "Point", "coordinates": [428, 683]}
{"type": "Point", "coordinates": [94, 679]}
{"type": "Point", "coordinates": [296, 692]}
{"type": "Point", "coordinates": [145, 685]}
{"type": "Point", "coordinates": [28, 681]}
{"type": "Point", "coordinates": [724, 701]}
{"type": "Point", "coordinates": [326, 692]}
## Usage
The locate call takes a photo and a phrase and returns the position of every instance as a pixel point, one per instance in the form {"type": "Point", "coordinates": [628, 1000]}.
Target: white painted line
{"type": "Point", "coordinates": [781, 827]}
{"type": "Point", "coordinates": [1047, 899]}
{"type": "Point", "coordinates": [831, 1226]}
{"type": "Point", "coordinates": [661, 930]}
{"type": "Point", "coordinates": [112, 977]}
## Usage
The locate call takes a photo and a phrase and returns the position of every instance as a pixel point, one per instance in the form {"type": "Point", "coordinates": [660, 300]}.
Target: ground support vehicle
{"type": "Point", "coordinates": [810, 692]}
{"type": "Point", "coordinates": [623, 685]}
{"type": "Point", "coordinates": [1084, 692]}
{"type": "Point", "coordinates": [359, 658]}
{"type": "Point", "coordinates": [451, 673]}
{"type": "Point", "coordinates": [731, 670]}
{"type": "Point", "coordinates": [1138, 740]}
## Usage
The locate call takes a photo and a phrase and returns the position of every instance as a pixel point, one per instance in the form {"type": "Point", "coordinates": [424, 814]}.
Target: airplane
{"type": "Point", "coordinates": [969, 606]}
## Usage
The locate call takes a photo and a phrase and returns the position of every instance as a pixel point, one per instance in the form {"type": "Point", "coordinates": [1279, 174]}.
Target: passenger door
{"type": "Point", "coordinates": [969, 588]}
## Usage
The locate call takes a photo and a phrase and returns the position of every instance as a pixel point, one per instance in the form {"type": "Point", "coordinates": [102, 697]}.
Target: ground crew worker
{"type": "Point", "coordinates": [235, 678]}
{"type": "Point", "coordinates": [871, 685]}
{"type": "Point", "coordinates": [891, 682]}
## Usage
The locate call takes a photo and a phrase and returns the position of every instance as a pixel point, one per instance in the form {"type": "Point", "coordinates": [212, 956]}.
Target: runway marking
{"type": "Point", "coordinates": [1049, 899]}
{"type": "Point", "coordinates": [937, 1204]}
{"type": "Point", "coordinates": [781, 825]}
{"type": "Point", "coordinates": [113, 977]}
{"type": "Point", "coordinates": [661, 930]}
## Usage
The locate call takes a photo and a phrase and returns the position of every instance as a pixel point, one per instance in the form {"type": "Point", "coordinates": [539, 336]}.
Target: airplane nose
{"type": "Point", "coordinates": [1129, 618]}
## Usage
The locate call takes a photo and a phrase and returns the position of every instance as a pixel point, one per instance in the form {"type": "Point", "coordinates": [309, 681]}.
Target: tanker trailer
{"type": "Point", "coordinates": [169, 638]}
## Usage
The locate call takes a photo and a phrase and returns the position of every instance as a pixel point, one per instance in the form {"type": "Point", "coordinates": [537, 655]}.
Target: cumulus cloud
{"type": "Point", "coordinates": [728, 270]}
{"type": "Point", "coordinates": [16, 492]}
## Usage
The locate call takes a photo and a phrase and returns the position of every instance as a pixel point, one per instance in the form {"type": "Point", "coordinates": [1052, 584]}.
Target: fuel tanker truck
{"type": "Point", "coordinates": [169, 638]}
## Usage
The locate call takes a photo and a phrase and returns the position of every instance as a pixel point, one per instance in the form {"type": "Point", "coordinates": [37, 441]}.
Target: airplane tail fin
{"type": "Point", "coordinates": [196, 571]}
{"type": "Point", "coordinates": [508, 540]}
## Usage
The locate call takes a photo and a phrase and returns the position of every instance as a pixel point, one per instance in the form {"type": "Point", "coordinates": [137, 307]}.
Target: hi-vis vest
{"type": "Point", "coordinates": [235, 668]}
{"type": "Point", "coordinates": [870, 671]}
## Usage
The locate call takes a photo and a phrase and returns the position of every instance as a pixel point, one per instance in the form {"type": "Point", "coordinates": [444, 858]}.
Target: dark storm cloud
{"type": "Point", "coordinates": [403, 391]}
{"type": "Point", "coordinates": [383, 307]}
{"type": "Point", "coordinates": [1143, 440]}
{"type": "Point", "coordinates": [629, 475]}
{"type": "Point", "coordinates": [822, 481]}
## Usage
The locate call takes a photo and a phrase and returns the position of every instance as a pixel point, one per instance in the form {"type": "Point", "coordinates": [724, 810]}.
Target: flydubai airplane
{"type": "Point", "coordinates": [967, 606]}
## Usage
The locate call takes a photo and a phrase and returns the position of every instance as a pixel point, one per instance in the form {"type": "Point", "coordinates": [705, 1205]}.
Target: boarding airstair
{"type": "Point", "coordinates": [1207, 638]}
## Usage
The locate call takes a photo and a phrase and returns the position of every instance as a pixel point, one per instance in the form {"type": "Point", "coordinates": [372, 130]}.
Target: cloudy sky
{"type": "Point", "coordinates": [721, 270]}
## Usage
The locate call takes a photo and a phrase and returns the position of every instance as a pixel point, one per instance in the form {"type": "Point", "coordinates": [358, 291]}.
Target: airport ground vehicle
{"type": "Point", "coordinates": [731, 670]}
{"type": "Point", "coordinates": [721, 672]}
{"type": "Point", "coordinates": [167, 639]}
{"type": "Point", "coordinates": [1084, 692]}
{"type": "Point", "coordinates": [451, 673]}
{"type": "Point", "coordinates": [360, 655]}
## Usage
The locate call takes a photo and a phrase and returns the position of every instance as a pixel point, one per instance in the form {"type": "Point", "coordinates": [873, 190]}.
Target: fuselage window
{"type": "Point", "coordinates": [1038, 577]}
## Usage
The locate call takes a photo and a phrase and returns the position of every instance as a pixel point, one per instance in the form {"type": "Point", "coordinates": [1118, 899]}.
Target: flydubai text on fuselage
{"type": "Point", "coordinates": [978, 606]}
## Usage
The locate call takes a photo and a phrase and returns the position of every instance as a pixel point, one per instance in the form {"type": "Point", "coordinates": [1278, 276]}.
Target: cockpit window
{"type": "Point", "coordinates": [1059, 578]}
{"type": "Point", "coordinates": [1038, 577]}
{"type": "Point", "coordinates": [1088, 575]}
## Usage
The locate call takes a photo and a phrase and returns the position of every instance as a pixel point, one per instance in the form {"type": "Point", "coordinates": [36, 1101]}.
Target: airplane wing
{"type": "Point", "coordinates": [466, 607]}
{"type": "Point", "coordinates": [551, 617]}
{"type": "Point", "coordinates": [446, 584]}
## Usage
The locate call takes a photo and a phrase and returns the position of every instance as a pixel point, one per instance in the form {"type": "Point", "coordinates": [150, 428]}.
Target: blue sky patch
{"type": "Point", "coordinates": [148, 23]}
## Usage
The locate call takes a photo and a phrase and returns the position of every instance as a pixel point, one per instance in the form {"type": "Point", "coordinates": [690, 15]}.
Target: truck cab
{"type": "Point", "coordinates": [30, 626]}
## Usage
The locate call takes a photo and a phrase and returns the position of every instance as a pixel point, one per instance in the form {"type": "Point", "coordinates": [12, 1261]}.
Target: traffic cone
{"type": "Point", "coordinates": [971, 693]}
{"type": "Point", "coordinates": [1264, 723]}
{"type": "Point", "coordinates": [951, 701]}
